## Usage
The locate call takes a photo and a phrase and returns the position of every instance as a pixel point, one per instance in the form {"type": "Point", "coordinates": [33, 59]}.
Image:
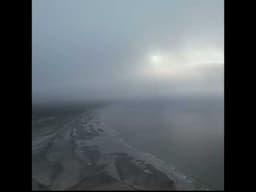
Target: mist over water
{"type": "Point", "coordinates": [155, 71]}
{"type": "Point", "coordinates": [129, 49]}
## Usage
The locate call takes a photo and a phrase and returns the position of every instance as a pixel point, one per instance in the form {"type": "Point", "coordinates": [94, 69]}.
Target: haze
{"type": "Point", "coordinates": [125, 49]}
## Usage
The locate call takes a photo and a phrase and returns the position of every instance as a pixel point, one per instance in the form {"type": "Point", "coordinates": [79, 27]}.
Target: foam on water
{"type": "Point", "coordinates": [76, 150]}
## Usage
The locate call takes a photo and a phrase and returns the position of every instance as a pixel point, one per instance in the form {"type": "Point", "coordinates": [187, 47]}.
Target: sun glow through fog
{"type": "Point", "coordinates": [189, 64]}
{"type": "Point", "coordinates": [156, 58]}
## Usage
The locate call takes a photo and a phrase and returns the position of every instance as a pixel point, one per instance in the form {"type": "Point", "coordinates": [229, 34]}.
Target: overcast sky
{"type": "Point", "coordinates": [114, 49]}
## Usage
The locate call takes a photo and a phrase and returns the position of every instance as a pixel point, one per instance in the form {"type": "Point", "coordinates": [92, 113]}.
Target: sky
{"type": "Point", "coordinates": [123, 49]}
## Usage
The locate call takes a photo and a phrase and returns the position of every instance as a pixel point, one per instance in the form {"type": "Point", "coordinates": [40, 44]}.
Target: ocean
{"type": "Point", "coordinates": [127, 145]}
{"type": "Point", "coordinates": [187, 133]}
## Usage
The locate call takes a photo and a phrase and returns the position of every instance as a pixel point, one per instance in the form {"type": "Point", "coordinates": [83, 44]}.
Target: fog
{"type": "Point", "coordinates": [125, 49]}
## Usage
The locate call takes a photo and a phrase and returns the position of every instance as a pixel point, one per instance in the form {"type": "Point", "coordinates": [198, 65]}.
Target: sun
{"type": "Point", "coordinates": [155, 58]}
{"type": "Point", "coordinates": [163, 67]}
